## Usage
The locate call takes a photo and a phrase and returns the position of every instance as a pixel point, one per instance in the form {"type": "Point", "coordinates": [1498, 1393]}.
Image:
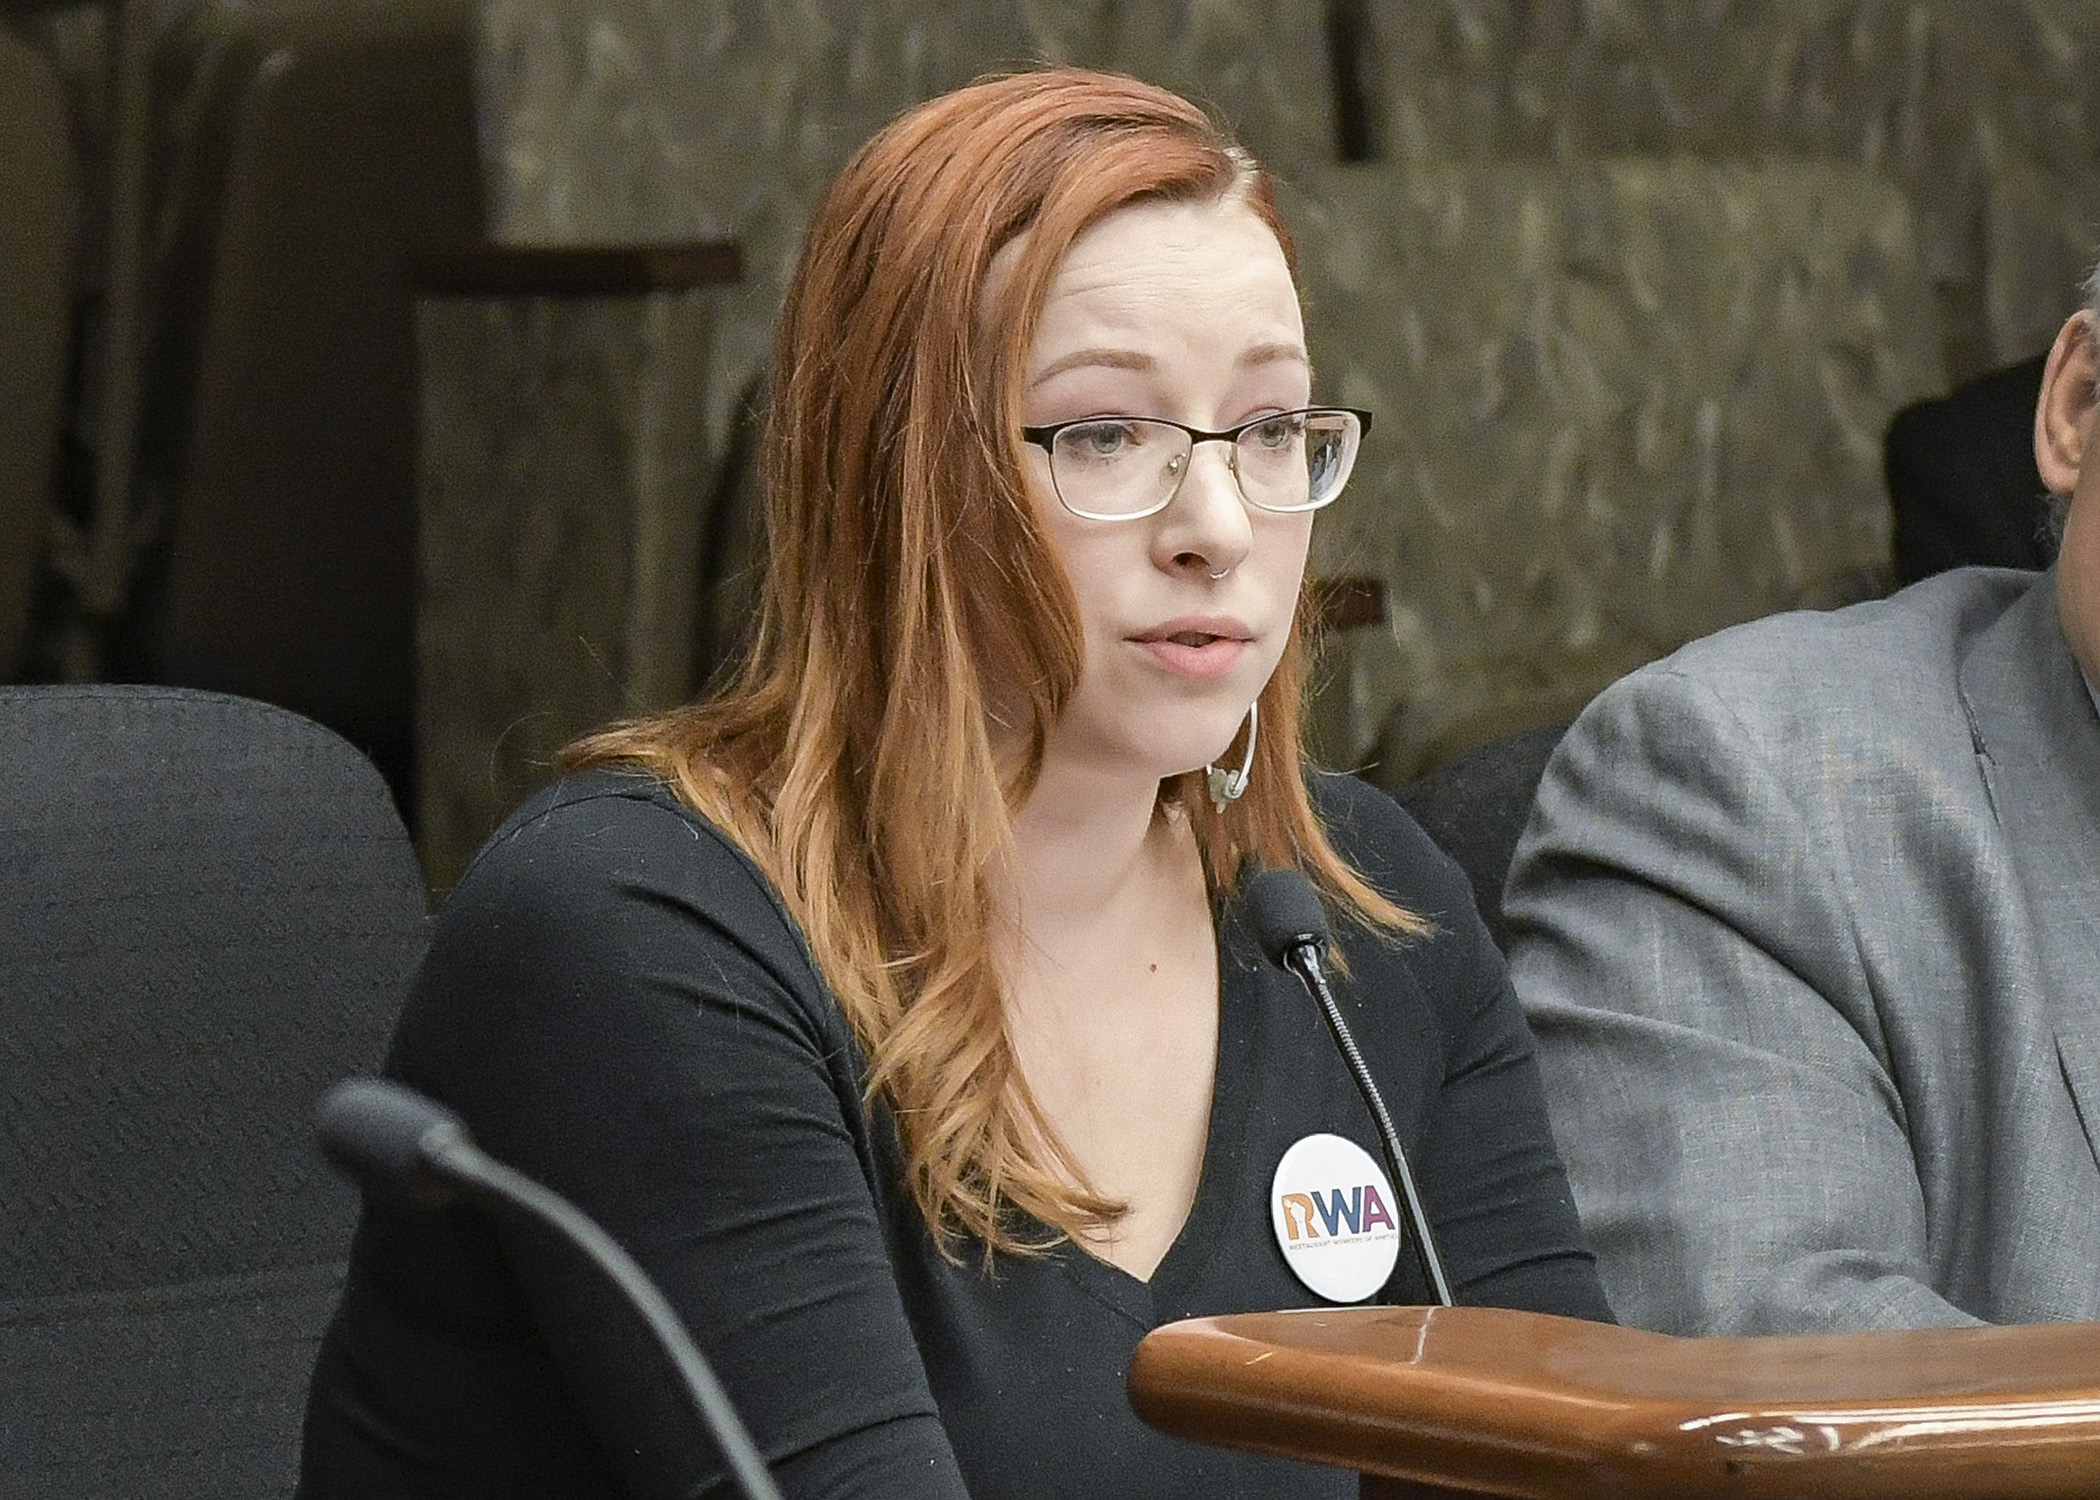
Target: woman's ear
{"type": "Point", "coordinates": [2063, 416]}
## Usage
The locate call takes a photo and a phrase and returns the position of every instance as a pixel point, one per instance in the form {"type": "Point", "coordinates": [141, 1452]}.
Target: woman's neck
{"type": "Point", "coordinates": [1080, 841]}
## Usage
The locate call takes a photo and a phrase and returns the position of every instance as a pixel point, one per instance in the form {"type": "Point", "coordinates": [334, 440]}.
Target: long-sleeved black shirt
{"type": "Point", "coordinates": [619, 1005]}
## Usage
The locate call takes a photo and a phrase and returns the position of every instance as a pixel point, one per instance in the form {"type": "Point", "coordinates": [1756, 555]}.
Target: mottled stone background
{"type": "Point", "coordinates": [559, 539]}
{"type": "Point", "coordinates": [1624, 402]}
{"type": "Point", "coordinates": [1632, 285]}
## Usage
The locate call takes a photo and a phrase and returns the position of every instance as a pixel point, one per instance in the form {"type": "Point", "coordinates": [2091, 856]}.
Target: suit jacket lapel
{"type": "Point", "coordinates": [2038, 742]}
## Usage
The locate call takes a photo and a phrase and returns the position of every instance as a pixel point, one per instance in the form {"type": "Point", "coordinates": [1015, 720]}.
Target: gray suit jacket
{"type": "Point", "coordinates": [1807, 920]}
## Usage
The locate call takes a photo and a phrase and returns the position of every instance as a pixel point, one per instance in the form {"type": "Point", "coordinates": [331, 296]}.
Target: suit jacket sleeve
{"type": "Point", "coordinates": [1686, 946]}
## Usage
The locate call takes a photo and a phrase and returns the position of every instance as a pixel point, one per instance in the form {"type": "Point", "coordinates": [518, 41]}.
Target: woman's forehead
{"type": "Point", "coordinates": [1212, 274]}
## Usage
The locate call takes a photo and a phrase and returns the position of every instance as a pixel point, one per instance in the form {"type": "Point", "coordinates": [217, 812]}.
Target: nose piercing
{"type": "Point", "coordinates": [1221, 573]}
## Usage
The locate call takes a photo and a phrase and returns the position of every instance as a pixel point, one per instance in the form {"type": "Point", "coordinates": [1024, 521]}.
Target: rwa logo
{"type": "Point", "coordinates": [1331, 1209]}
{"type": "Point", "coordinates": [1313, 1214]}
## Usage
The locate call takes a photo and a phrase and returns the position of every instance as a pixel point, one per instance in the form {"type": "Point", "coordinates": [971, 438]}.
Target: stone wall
{"type": "Point", "coordinates": [1622, 403]}
{"type": "Point", "coordinates": [558, 542]}
{"type": "Point", "coordinates": [665, 119]}
{"type": "Point", "coordinates": [1985, 112]}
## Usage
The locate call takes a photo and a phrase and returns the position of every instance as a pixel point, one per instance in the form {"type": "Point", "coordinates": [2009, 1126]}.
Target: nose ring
{"type": "Point", "coordinates": [1221, 573]}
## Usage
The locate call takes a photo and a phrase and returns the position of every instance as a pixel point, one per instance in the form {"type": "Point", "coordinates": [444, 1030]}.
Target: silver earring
{"type": "Point", "coordinates": [1230, 786]}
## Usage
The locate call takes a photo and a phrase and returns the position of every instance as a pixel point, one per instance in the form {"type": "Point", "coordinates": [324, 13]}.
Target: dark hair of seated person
{"type": "Point", "coordinates": [1962, 479]}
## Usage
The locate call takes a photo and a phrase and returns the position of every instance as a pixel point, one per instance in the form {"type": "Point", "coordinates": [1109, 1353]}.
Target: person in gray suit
{"type": "Point", "coordinates": [1807, 922]}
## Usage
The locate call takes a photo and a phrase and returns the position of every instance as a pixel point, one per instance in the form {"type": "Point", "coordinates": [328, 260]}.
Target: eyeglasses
{"type": "Point", "coordinates": [1127, 468]}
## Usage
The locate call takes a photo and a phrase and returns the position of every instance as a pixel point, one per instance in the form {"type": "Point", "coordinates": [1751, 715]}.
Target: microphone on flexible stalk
{"type": "Point", "coordinates": [382, 1133]}
{"type": "Point", "coordinates": [1292, 927]}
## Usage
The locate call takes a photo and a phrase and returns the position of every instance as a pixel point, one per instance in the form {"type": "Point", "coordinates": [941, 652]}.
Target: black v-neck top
{"type": "Point", "coordinates": [619, 1005]}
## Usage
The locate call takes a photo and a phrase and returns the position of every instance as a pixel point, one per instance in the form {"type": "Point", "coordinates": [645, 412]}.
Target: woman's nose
{"type": "Point", "coordinates": [1207, 525]}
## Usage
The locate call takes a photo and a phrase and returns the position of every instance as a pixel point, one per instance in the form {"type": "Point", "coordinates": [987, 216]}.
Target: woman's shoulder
{"type": "Point", "coordinates": [626, 801]}
{"type": "Point", "coordinates": [612, 855]}
{"type": "Point", "coordinates": [1454, 967]}
{"type": "Point", "coordinates": [1382, 842]}
{"type": "Point", "coordinates": [609, 818]}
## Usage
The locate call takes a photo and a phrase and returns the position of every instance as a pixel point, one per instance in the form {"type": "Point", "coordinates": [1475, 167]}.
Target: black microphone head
{"type": "Point", "coordinates": [1286, 912]}
{"type": "Point", "coordinates": [386, 1135]}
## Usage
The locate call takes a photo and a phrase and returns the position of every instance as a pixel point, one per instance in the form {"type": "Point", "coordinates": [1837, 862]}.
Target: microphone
{"type": "Point", "coordinates": [382, 1133]}
{"type": "Point", "coordinates": [1292, 927]}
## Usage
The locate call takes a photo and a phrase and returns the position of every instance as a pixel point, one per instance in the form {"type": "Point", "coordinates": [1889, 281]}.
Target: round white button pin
{"type": "Point", "coordinates": [1335, 1217]}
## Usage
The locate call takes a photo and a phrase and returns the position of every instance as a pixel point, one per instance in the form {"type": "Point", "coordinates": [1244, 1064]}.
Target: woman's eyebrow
{"type": "Point", "coordinates": [1114, 359]}
{"type": "Point", "coordinates": [1279, 352]}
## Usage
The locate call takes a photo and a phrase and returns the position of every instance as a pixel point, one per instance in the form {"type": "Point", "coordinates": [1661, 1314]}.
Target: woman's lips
{"type": "Point", "coordinates": [1196, 649]}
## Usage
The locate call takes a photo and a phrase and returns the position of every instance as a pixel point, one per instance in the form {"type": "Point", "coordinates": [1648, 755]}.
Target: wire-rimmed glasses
{"type": "Point", "coordinates": [1127, 468]}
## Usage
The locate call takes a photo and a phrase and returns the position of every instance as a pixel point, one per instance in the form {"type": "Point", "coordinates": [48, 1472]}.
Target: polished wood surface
{"type": "Point", "coordinates": [1484, 1401]}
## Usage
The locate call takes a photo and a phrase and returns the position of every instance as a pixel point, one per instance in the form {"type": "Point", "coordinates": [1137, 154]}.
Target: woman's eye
{"type": "Point", "coordinates": [1279, 431]}
{"type": "Point", "coordinates": [1098, 440]}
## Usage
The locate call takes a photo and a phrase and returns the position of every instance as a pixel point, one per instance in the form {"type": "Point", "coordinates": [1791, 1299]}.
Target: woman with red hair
{"type": "Point", "coordinates": [897, 1007]}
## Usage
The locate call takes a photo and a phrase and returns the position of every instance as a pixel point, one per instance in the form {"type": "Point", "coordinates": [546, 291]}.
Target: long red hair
{"type": "Point", "coordinates": [909, 575]}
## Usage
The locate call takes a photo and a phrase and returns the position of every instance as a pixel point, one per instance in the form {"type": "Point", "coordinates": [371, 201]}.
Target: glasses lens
{"type": "Point", "coordinates": [1333, 440]}
{"type": "Point", "coordinates": [1118, 466]}
{"type": "Point", "coordinates": [1297, 460]}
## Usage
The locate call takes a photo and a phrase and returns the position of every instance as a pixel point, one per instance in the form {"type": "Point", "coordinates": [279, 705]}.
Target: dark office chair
{"type": "Point", "coordinates": [207, 907]}
{"type": "Point", "coordinates": [324, 142]}
{"type": "Point", "coordinates": [36, 229]}
{"type": "Point", "coordinates": [1475, 807]}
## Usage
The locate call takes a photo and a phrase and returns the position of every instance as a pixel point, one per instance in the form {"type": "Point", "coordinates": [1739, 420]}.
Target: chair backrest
{"type": "Point", "coordinates": [36, 233]}
{"type": "Point", "coordinates": [324, 143]}
{"type": "Point", "coordinates": [207, 909]}
{"type": "Point", "coordinates": [1476, 805]}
